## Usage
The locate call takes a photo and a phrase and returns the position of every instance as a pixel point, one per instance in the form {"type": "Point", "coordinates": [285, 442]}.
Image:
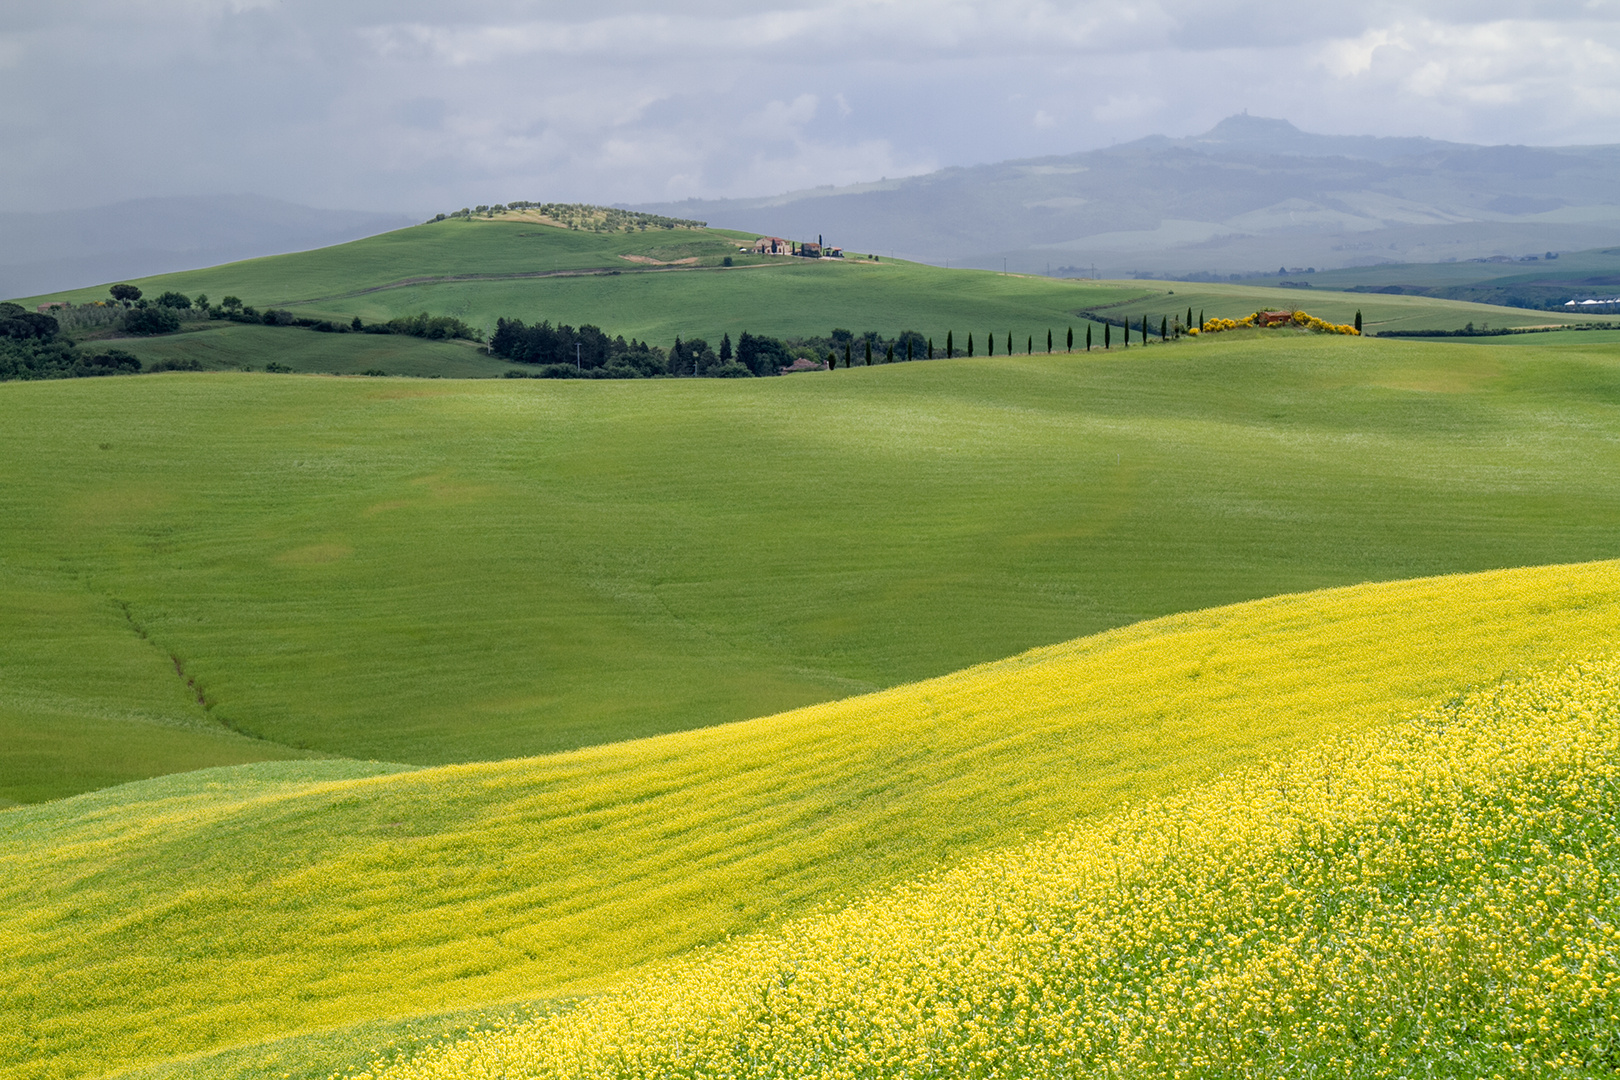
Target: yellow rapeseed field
{"type": "Point", "coordinates": [1440, 898]}
{"type": "Point", "coordinates": [205, 911]}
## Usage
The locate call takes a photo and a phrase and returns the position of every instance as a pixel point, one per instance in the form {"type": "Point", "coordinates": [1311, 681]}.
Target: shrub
{"type": "Point", "coordinates": [151, 320]}
{"type": "Point", "coordinates": [177, 301]}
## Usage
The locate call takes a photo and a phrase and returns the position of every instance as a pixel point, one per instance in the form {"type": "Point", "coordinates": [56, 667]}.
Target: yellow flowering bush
{"type": "Point", "coordinates": [1299, 319]}
{"type": "Point", "coordinates": [1437, 898]}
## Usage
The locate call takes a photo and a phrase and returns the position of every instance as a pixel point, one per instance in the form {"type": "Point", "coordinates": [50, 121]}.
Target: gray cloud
{"type": "Point", "coordinates": [425, 105]}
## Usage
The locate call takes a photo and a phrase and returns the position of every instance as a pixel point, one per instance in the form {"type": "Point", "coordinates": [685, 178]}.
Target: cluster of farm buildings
{"type": "Point", "coordinates": [775, 245]}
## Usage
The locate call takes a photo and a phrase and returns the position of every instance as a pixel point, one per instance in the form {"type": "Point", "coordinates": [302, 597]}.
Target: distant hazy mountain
{"type": "Point", "coordinates": [1251, 194]}
{"type": "Point", "coordinates": [64, 249]}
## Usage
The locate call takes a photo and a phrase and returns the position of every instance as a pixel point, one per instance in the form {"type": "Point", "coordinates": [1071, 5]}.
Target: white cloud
{"type": "Point", "coordinates": [420, 103]}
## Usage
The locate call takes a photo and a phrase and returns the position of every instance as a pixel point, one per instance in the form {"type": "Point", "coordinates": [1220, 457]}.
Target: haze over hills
{"type": "Point", "coordinates": [1251, 194]}
{"type": "Point", "coordinates": [65, 249]}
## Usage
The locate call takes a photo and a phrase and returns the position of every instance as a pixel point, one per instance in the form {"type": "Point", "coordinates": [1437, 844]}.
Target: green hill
{"type": "Point", "coordinates": [660, 283]}
{"type": "Point", "coordinates": [430, 572]}
{"type": "Point", "coordinates": [217, 908]}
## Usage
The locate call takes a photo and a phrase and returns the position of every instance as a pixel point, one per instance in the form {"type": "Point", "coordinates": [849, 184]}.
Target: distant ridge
{"type": "Point", "coordinates": [65, 249]}
{"type": "Point", "coordinates": [1252, 193]}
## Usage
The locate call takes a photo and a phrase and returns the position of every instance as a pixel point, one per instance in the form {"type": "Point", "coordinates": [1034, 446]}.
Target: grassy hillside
{"type": "Point", "coordinates": [1433, 900]}
{"type": "Point", "coordinates": [223, 346]}
{"type": "Point", "coordinates": [429, 572]}
{"type": "Point", "coordinates": [214, 908]}
{"type": "Point", "coordinates": [657, 284]}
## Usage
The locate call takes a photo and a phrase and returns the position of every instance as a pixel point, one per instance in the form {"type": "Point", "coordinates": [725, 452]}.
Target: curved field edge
{"type": "Point", "coordinates": [1439, 898]}
{"type": "Point", "coordinates": [178, 915]}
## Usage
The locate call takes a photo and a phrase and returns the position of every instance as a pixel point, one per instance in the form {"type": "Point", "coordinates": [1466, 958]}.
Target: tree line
{"type": "Point", "coordinates": [31, 347]}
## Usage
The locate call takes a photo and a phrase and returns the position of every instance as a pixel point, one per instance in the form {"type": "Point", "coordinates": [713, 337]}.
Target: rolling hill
{"type": "Point", "coordinates": [658, 284]}
{"type": "Point", "coordinates": [383, 893]}
{"type": "Point", "coordinates": [438, 571]}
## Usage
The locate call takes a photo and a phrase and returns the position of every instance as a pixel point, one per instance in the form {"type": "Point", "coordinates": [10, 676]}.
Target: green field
{"type": "Point", "coordinates": [342, 717]}
{"type": "Point", "coordinates": [224, 346]}
{"type": "Point", "coordinates": [220, 908]}
{"type": "Point", "coordinates": [427, 572]}
{"type": "Point", "coordinates": [480, 270]}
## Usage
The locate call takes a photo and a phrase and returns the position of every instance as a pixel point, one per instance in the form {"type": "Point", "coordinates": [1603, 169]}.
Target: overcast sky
{"type": "Point", "coordinates": [419, 105]}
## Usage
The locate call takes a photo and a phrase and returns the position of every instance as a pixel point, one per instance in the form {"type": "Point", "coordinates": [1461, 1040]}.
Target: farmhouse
{"type": "Point", "coordinates": [772, 245]}
{"type": "Point", "coordinates": [1273, 318]}
{"type": "Point", "coordinates": [810, 250]}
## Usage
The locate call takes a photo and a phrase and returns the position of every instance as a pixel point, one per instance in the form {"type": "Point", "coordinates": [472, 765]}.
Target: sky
{"type": "Point", "coordinates": [422, 106]}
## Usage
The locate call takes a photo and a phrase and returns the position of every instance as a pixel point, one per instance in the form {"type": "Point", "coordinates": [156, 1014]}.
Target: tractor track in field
{"type": "Point", "coordinates": [451, 279]}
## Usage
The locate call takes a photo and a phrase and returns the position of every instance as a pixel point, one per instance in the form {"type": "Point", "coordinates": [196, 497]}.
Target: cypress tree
{"type": "Point", "coordinates": [950, 345]}
{"type": "Point", "coordinates": [930, 348]}
{"type": "Point", "coordinates": [832, 360]}
{"type": "Point", "coordinates": [1189, 316]}
{"type": "Point", "coordinates": [1108, 329]}
{"type": "Point", "coordinates": [1029, 346]}
{"type": "Point", "coordinates": [1200, 322]}
{"type": "Point", "coordinates": [970, 344]}
{"type": "Point", "coordinates": [889, 358]}
{"type": "Point", "coordinates": [1049, 343]}
{"type": "Point", "coordinates": [725, 347]}
{"type": "Point", "coordinates": [1009, 343]}
{"type": "Point", "coordinates": [868, 352]}
{"type": "Point", "coordinates": [1164, 328]}
{"type": "Point", "coordinates": [1071, 340]}
{"type": "Point", "coordinates": [847, 362]}
{"type": "Point", "coordinates": [1358, 320]}
{"type": "Point", "coordinates": [1088, 337]}
{"type": "Point", "coordinates": [990, 344]}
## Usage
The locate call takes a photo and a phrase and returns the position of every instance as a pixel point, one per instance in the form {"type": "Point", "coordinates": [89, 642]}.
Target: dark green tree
{"type": "Point", "coordinates": [930, 348]}
{"type": "Point", "coordinates": [725, 347]}
{"type": "Point", "coordinates": [1107, 333]}
{"type": "Point", "coordinates": [357, 326]}
{"type": "Point", "coordinates": [1189, 316]}
{"type": "Point", "coordinates": [989, 342]}
{"type": "Point", "coordinates": [1200, 322]}
{"type": "Point", "coordinates": [868, 352]}
{"type": "Point", "coordinates": [1164, 328]}
{"type": "Point", "coordinates": [1358, 320]}
{"type": "Point", "coordinates": [970, 344]}
{"type": "Point", "coordinates": [950, 345]}
{"type": "Point", "coordinates": [125, 294]}
{"type": "Point", "coordinates": [1070, 346]}
{"type": "Point", "coordinates": [848, 360]}
{"type": "Point", "coordinates": [1088, 337]}
{"type": "Point", "coordinates": [889, 356]}
{"type": "Point", "coordinates": [176, 300]}
{"type": "Point", "coordinates": [1009, 343]}
{"type": "Point", "coordinates": [1049, 343]}
{"type": "Point", "coordinates": [1029, 346]}
{"type": "Point", "coordinates": [832, 360]}
{"type": "Point", "coordinates": [231, 303]}
{"type": "Point", "coordinates": [201, 301]}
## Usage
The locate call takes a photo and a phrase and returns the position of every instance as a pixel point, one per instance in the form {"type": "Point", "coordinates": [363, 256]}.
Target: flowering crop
{"type": "Point", "coordinates": [1299, 319]}
{"type": "Point", "coordinates": [1441, 897]}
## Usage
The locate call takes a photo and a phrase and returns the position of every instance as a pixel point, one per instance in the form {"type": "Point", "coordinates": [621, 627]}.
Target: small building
{"type": "Point", "coordinates": [810, 250]}
{"type": "Point", "coordinates": [772, 245]}
{"type": "Point", "coordinates": [803, 364]}
{"type": "Point", "coordinates": [1274, 318]}
{"type": "Point", "coordinates": [832, 253]}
